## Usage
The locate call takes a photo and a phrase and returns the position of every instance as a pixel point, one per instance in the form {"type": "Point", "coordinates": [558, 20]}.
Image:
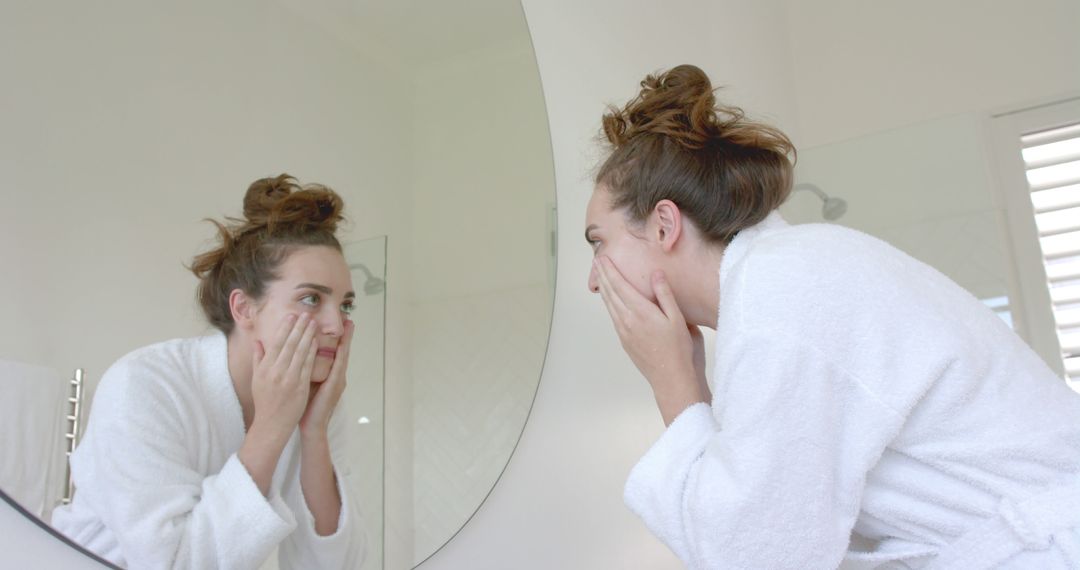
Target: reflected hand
{"type": "Point", "coordinates": [281, 374]}
{"type": "Point", "coordinates": [324, 397]}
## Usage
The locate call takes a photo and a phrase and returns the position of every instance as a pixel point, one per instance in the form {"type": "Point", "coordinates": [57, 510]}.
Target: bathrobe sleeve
{"type": "Point", "coordinates": [777, 483]}
{"type": "Point", "coordinates": [345, 548]}
{"type": "Point", "coordinates": [140, 478]}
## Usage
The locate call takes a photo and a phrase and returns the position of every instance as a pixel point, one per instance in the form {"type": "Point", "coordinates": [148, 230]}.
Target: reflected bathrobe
{"type": "Point", "coordinates": [858, 392]}
{"type": "Point", "coordinates": [159, 485]}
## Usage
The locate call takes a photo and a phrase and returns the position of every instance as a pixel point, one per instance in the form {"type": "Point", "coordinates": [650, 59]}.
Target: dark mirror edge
{"type": "Point", "coordinates": [56, 534]}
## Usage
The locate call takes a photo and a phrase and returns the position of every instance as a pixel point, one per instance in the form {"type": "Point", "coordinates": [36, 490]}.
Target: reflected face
{"type": "Point", "coordinates": [313, 280]}
{"type": "Point", "coordinates": [609, 234]}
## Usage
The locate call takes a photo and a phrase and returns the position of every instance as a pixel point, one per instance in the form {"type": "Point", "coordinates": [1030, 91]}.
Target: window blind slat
{"type": "Point", "coordinates": [1060, 245]}
{"type": "Point", "coordinates": [1066, 293]}
{"type": "Point", "coordinates": [1070, 344]}
{"type": "Point", "coordinates": [1063, 269]}
{"type": "Point", "coordinates": [1057, 198]}
{"type": "Point", "coordinates": [1052, 154]}
{"type": "Point", "coordinates": [1057, 222]}
{"type": "Point", "coordinates": [1057, 175]}
{"type": "Point", "coordinates": [1072, 367]}
{"type": "Point", "coordinates": [1050, 136]}
{"type": "Point", "coordinates": [1064, 279]}
{"type": "Point", "coordinates": [1068, 318]}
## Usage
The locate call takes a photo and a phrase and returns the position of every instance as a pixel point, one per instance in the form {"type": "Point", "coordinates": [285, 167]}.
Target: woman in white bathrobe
{"type": "Point", "coordinates": [857, 393]}
{"type": "Point", "coordinates": [211, 452]}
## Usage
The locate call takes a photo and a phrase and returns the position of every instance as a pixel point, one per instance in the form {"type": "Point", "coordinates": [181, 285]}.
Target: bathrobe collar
{"type": "Point", "coordinates": [740, 246]}
{"type": "Point", "coordinates": [217, 382]}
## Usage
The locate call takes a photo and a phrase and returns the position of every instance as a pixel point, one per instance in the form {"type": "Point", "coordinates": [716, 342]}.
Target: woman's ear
{"type": "Point", "coordinates": [243, 309]}
{"type": "Point", "coordinates": [668, 224]}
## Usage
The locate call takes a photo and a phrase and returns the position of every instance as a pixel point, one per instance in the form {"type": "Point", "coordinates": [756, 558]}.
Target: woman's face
{"type": "Point", "coordinates": [629, 248]}
{"type": "Point", "coordinates": [313, 280]}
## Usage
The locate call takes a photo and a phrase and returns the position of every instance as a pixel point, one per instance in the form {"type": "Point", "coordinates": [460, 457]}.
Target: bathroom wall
{"type": "Point", "coordinates": [864, 67]}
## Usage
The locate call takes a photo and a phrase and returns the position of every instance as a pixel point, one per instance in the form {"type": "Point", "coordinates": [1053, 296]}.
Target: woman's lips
{"type": "Point", "coordinates": [327, 352]}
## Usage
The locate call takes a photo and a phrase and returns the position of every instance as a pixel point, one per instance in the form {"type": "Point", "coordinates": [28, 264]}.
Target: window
{"type": "Point", "coordinates": [1052, 168]}
{"type": "Point", "coordinates": [1038, 160]}
{"type": "Point", "coordinates": [1000, 306]}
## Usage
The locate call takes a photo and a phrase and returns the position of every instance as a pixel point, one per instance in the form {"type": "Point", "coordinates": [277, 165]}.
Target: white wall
{"type": "Point", "coordinates": [559, 503]}
{"type": "Point", "coordinates": [863, 67]}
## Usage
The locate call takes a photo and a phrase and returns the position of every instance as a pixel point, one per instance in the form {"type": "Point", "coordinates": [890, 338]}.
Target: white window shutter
{"type": "Point", "coordinates": [1052, 168]}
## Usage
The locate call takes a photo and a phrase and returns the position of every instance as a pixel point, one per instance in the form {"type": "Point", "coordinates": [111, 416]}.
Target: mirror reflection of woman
{"type": "Point", "coordinates": [856, 391]}
{"type": "Point", "coordinates": [211, 452]}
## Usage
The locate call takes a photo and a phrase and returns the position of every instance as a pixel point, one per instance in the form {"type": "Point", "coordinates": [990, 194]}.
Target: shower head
{"type": "Point", "coordinates": [832, 208]}
{"type": "Point", "coordinates": [372, 285]}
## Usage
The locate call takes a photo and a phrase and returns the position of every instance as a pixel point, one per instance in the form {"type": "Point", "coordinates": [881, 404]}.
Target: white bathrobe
{"type": "Point", "coordinates": [857, 390]}
{"type": "Point", "coordinates": [158, 483]}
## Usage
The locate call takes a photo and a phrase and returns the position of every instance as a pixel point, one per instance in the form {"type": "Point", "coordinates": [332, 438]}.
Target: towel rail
{"type": "Point", "coordinates": [74, 427]}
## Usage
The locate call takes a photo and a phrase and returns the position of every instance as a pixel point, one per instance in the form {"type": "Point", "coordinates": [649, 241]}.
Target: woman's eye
{"type": "Point", "coordinates": [347, 308]}
{"type": "Point", "coordinates": [310, 300]}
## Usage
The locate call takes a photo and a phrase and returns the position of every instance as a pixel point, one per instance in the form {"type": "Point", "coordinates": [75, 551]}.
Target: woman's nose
{"type": "Point", "coordinates": [594, 287]}
{"type": "Point", "coordinates": [333, 324]}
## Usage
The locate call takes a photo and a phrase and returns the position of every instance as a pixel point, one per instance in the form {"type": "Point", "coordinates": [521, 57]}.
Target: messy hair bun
{"type": "Point", "coordinates": [281, 205]}
{"type": "Point", "coordinates": [673, 141]}
{"type": "Point", "coordinates": [279, 216]}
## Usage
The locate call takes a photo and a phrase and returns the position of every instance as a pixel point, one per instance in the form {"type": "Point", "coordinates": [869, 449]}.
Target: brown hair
{"type": "Point", "coordinates": [279, 216]}
{"type": "Point", "coordinates": [673, 141]}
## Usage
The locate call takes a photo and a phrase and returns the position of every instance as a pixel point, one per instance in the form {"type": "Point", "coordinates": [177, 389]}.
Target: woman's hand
{"type": "Point", "coordinates": [658, 340]}
{"type": "Point", "coordinates": [325, 396]}
{"type": "Point", "coordinates": [282, 373]}
{"type": "Point", "coordinates": [317, 478]}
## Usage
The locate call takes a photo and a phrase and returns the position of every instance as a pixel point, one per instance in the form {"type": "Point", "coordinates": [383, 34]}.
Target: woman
{"type": "Point", "coordinates": [856, 391]}
{"type": "Point", "coordinates": [210, 452]}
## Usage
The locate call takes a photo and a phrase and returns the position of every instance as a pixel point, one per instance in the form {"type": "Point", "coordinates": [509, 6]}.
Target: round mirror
{"type": "Point", "coordinates": [127, 124]}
